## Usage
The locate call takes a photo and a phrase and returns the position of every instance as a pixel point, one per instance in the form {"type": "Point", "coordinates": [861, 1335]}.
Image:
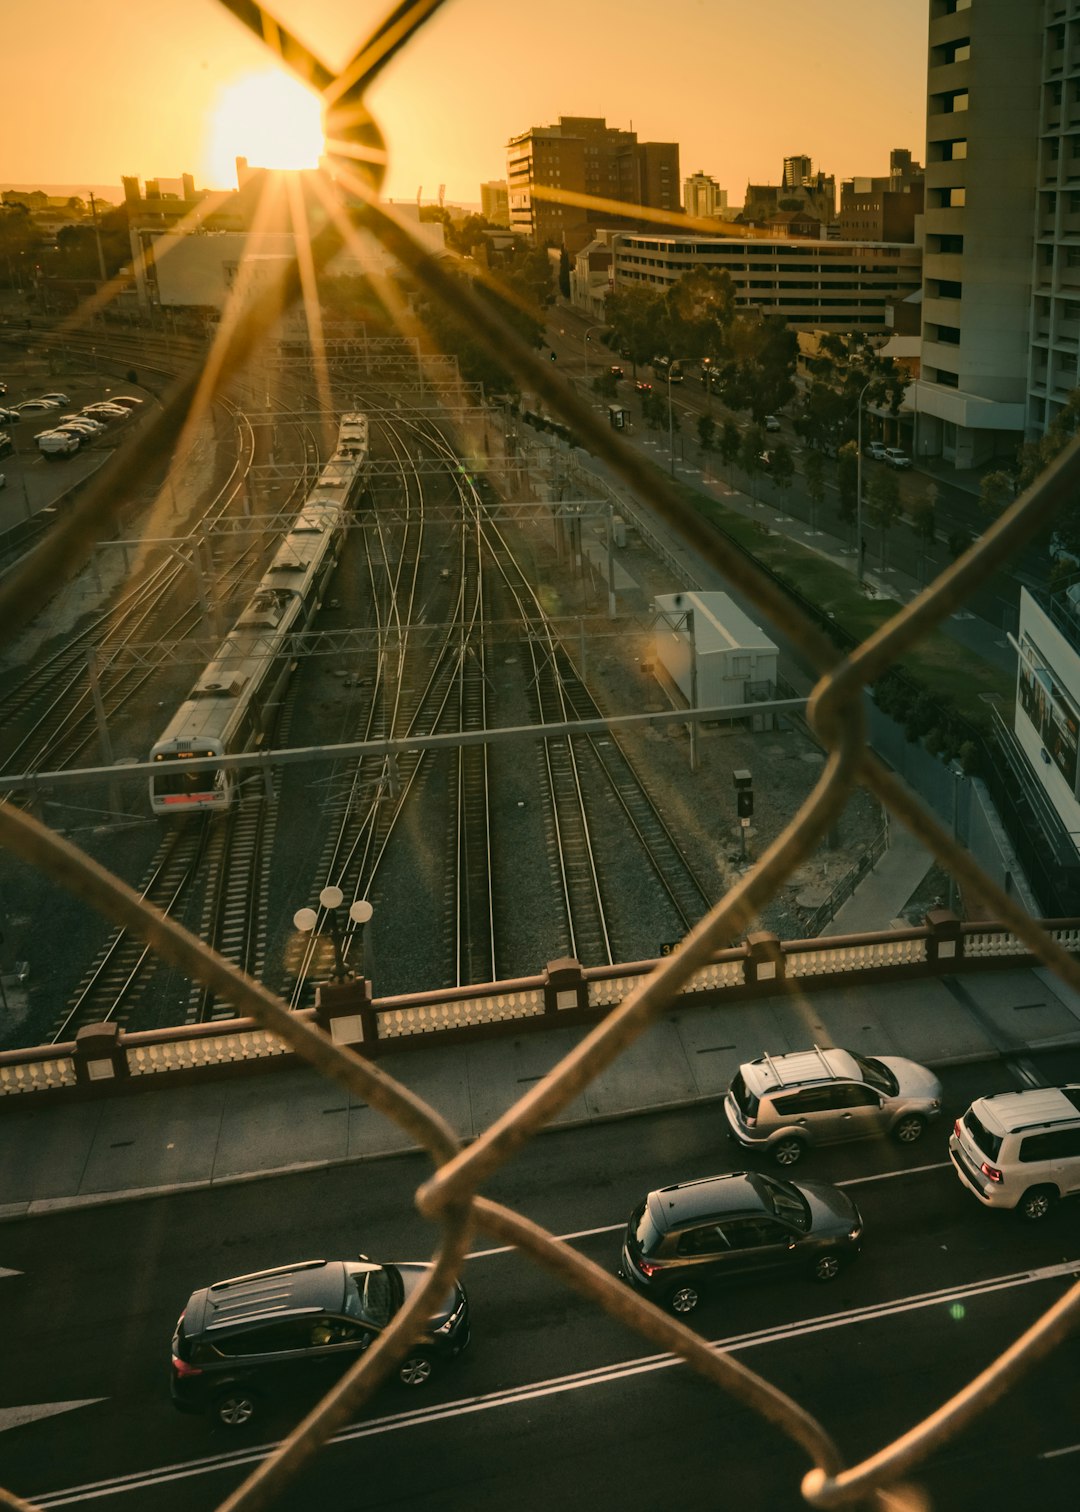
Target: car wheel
{"type": "Point", "coordinates": [1036, 1203]}
{"type": "Point", "coordinates": [236, 1407]}
{"type": "Point", "coordinates": [415, 1370]}
{"type": "Point", "coordinates": [787, 1151]}
{"type": "Point", "coordinates": [909, 1129]}
{"type": "Point", "coordinates": [683, 1299]}
{"type": "Point", "coordinates": [826, 1267]}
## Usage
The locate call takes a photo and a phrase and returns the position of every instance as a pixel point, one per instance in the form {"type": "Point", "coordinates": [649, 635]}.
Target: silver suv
{"type": "Point", "coordinates": [785, 1103]}
{"type": "Point", "coordinates": [1020, 1149]}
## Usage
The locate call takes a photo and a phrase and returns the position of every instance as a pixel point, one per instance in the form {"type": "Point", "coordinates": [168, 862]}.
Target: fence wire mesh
{"type": "Point", "coordinates": [453, 1196]}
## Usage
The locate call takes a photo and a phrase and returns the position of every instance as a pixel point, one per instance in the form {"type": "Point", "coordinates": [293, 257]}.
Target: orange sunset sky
{"type": "Point", "coordinates": [92, 92]}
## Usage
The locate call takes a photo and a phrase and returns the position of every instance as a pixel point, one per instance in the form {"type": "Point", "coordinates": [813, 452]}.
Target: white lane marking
{"type": "Point", "coordinates": [15, 1417]}
{"type": "Point", "coordinates": [1057, 1453]}
{"type": "Point", "coordinates": [939, 1165]}
{"type": "Point", "coordinates": [4, 1272]}
{"type": "Point", "coordinates": [614, 1228]}
{"type": "Point", "coordinates": [557, 1385]}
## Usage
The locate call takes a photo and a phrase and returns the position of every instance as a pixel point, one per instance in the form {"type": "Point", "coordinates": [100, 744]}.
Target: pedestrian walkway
{"type": "Point", "coordinates": [880, 898]}
{"type": "Point", "coordinates": [173, 1139]}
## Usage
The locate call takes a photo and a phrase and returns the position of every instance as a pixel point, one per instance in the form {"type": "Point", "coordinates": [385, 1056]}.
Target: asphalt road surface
{"type": "Point", "coordinates": [555, 1404]}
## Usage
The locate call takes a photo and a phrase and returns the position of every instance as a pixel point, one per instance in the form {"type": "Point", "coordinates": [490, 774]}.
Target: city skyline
{"type": "Point", "coordinates": [707, 75]}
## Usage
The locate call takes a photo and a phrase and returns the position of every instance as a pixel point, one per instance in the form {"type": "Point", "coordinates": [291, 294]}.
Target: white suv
{"type": "Point", "coordinates": [785, 1103]}
{"type": "Point", "coordinates": [1020, 1149]}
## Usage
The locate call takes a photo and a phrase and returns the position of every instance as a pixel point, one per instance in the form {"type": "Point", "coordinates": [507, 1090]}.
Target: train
{"type": "Point", "coordinates": [229, 708]}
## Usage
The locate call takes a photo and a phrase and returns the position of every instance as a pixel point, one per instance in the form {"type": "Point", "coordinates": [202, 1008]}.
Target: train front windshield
{"type": "Point", "coordinates": [175, 785]}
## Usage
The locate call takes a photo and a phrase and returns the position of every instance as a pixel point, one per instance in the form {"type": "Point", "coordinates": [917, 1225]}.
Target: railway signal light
{"type": "Point", "coordinates": [746, 803]}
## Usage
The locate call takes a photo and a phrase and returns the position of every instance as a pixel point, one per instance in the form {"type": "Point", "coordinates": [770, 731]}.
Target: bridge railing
{"type": "Point", "coordinates": [104, 1059]}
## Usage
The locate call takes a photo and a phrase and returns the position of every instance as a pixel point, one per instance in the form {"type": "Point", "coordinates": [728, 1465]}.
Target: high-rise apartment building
{"type": "Point", "coordinates": [798, 171]}
{"type": "Point", "coordinates": [703, 196]}
{"type": "Point", "coordinates": [983, 122]}
{"type": "Point", "coordinates": [562, 179]}
{"type": "Point", "coordinates": [883, 208]}
{"type": "Point", "coordinates": [495, 202]}
{"type": "Point", "coordinates": [1054, 358]}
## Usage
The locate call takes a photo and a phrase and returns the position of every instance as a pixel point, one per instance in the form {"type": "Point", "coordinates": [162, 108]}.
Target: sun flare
{"type": "Point", "coordinates": [271, 119]}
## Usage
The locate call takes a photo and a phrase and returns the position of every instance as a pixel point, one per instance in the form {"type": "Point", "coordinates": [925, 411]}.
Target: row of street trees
{"type": "Point", "coordinates": [696, 319]}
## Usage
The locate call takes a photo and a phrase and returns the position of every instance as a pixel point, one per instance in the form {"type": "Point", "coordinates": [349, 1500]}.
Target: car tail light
{"type": "Point", "coordinates": [182, 1367]}
{"type": "Point", "coordinates": [991, 1172]}
{"type": "Point", "coordinates": [956, 1127]}
{"type": "Point", "coordinates": [647, 1268]}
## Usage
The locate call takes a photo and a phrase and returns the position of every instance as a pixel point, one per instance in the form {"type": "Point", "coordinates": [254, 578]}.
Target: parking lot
{"type": "Point", "coordinates": [35, 483]}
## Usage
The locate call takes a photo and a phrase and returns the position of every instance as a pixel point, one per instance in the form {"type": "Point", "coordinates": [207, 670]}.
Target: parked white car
{"type": "Point", "coordinates": [894, 457]}
{"type": "Point", "coordinates": [57, 444]}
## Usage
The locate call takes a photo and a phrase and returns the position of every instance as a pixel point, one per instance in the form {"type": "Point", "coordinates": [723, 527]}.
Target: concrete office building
{"type": "Point", "coordinates": [703, 196]}
{"type": "Point", "coordinates": [841, 286]}
{"type": "Point", "coordinates": [495, 202]}
{"type": "Point", "coordinates": [559, 178]}
{"type": "Point", "coordinates": [1054, 357]}
{"type": "Point", "coordinates": [982, 153]}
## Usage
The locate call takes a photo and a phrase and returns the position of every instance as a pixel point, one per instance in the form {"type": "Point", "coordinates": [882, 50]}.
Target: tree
{"type": "Point", "coordinates": [564, 273]}
{"type": "Point", "coordinates": [706, 430]}
{"type": "Point", "coordinates": [698, 313]}
{"type": "Point", "coordinates": [730, 444]}
{"type": "Point", "coordinates": [883, 498]}
{"type": "Point", "coordinates": [635, 316]}
{"type": "Point", "coordinates": [782, 467]}
{"type": "Point", "coordinates": [759, 373]}
{"type": "Point", "coordinates": [958, 542]}
{"type": "Point", "coordinates": [923, 512]}
{"type": "Point", "coordinates": [846, 374]}
{"type": "Point", "coordinates": [752, 455]}
{"type": "Point", "coordinates": [814, 475]}
{"type": "Point", "coordinates": [847, 482]}
{"type": "Point", "coordinates": [996, 492]}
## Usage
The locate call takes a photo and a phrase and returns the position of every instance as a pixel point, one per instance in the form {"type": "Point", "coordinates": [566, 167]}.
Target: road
{"type": "Point", "coordinates": [555, 1404]}
{"type": "Point", "coordinates": [901, 556]}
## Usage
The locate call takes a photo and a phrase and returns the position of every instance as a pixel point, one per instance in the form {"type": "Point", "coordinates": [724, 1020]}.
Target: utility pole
{"type": "Point", "coordinates": [97, 238]}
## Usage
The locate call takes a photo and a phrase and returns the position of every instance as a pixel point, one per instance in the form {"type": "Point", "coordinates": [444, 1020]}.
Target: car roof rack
{"type": "Point", "coordinates": [264, 1275]}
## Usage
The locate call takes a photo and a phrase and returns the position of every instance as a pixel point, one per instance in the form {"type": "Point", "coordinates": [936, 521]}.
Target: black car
{"type": "Point", "coordinates": [289, 1333]}
{"type": "Point", "coordinates": [684, 1240]}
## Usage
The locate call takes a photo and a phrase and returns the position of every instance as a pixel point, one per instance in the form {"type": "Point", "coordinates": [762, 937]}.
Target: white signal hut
{"type": "Point", "coordinates": [709, 654]}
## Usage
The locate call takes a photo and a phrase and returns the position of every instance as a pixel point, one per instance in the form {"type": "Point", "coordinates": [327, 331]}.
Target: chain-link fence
{"type": "Point", "coordinates": [453, 1196]}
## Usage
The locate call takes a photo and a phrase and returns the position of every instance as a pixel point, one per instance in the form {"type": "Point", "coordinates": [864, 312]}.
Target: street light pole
{"type": "Point", "coordinates": [585, 343]}
{"type": "Point", "coordinates": [670, 424]}
{"type": "Point", "coordinates": [859, 564]}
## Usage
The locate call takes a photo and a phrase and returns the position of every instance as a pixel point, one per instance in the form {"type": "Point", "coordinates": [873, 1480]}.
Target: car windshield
{"type": "Point", "coordinates": [876, 1075]}
{"type": "Point", "coordinates": [373, 1296]}
{"type": "Point", "coordinates": [783, 1200]}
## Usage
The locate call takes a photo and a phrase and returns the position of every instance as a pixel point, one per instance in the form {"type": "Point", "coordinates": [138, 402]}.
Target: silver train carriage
{"type": "Point", "coordinates": [231, 705]}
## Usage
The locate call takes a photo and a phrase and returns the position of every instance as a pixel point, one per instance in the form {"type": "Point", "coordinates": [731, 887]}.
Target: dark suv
{"type": "Point", "coordinates": [684, 1239]}
{"type": "Point", "coordinates": [291, 1332]}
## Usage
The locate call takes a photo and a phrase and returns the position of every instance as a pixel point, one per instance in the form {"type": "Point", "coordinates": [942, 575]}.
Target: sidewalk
{"type": "Point", "coordinates": [883, 893]}
{"type": "Point", "coordinates": [176, 1139]}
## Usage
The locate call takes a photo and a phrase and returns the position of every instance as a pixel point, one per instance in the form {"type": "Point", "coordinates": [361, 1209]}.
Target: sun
{"type": "Point", "coordinates": [271, 119]}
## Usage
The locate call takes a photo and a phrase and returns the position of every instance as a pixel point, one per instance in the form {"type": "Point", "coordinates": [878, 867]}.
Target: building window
{"type": "Point", "coordinates": [946, 379]}
{"type": "Point", "coordinates": [947, 288]}
{"type": "Point", "coordinates": [949, 199]}
{"type": "Point", "coordinates": [949, 334]}
{"type": "Point", "coordinates": [950, 101]}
